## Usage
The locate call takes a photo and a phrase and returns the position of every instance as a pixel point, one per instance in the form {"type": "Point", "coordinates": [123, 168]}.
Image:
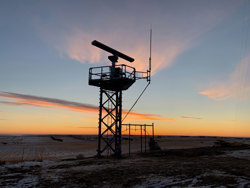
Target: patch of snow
{"type": "Point", "coordinates": [172, 181]}
{"type": "Point", "coordinates": [242, 154]}
{"type": "Point", "coordinates": [29, 181]}
{"type": "Point", "coordinates": [160, 181]}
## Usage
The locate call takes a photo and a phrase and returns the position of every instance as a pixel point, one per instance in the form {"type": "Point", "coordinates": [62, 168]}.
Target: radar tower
{"type": "Point", "coordinates": [112, 80]}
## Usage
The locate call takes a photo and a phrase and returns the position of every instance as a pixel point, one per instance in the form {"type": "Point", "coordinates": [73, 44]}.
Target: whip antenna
{"type": "Point", "coordinates": [150, 50]}
{"type": "Point", "coordinates": [149, 60]}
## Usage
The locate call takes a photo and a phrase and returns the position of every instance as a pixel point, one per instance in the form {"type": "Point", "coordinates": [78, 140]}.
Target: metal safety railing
{"type": "Point", "coordinates": [143, 75]}
{"type": "Point", "coordinates": [112, 72]}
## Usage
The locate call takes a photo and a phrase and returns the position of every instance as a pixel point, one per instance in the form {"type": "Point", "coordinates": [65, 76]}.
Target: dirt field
{"type": "Point", "coordinates": [182, 162]}
{"type": "Point", "coordinates": [47, 147]}
{"type": "Point", "coordinates": [43, 147]}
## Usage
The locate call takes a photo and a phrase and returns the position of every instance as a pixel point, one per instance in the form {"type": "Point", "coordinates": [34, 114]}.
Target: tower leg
{"type": "Point", "coordinates": [100, 125]}
{"type": "Point", "coordinates": [110, 122]}
{"type": "Point", "coordinates": [118, 143]}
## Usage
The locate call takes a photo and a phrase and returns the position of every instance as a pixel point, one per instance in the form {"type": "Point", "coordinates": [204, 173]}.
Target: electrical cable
{"type": "Point", "coordinates": [136, 101]}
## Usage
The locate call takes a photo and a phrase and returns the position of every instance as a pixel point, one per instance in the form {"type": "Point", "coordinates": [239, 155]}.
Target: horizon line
{"type": "Point", "coordinates": [122, 135]}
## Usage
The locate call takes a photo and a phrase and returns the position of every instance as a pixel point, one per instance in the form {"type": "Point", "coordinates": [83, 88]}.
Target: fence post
{"type": "Point", "coordinates": [129, 139]}
{"type": "Point", "coordinates": [141, 138]}
{"type": "Point", "coordinates": [145, 134]}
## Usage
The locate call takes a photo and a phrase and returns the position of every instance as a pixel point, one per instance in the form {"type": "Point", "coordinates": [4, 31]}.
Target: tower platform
{"type": "Point", "coordinates": [113, 78]}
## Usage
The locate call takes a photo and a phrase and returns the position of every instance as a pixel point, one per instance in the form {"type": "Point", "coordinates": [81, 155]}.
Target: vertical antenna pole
{"type": "Point", "coordinates": [150, 53]}
{"type": "Point", "coordinates": [150, 50]}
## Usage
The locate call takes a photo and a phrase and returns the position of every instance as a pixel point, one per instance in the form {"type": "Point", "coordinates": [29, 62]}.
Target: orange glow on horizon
{"type": "Point", "coordinates": [80, 123]}
{"type": "Point", "coordinates": [23, 124]}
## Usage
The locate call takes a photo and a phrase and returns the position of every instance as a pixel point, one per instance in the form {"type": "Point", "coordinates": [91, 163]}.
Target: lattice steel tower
{"type": "Point", "coordinates": [112, 80]}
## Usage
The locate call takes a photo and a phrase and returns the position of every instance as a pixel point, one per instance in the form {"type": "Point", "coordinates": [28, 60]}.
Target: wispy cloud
{"type": "Point", "coordinates": [95, 120]}
{"type": "Point", "coordinates": [29, 100]}
{"type": "Point", "coordinates": [237, 86]}
{"type": "Point", "coordinates": [78, 47]}
{"type": "Point", "coordinates": [150, 117]}
{"type": "Point", "coordinates": [19, 104]}
{"type": "Point", "coordinates": [64, 116]}
{"type": "Point", "coordinates": [11, 115]}
{"type": "Point", "coordinates": [127, 29]}
{"type": "Point", "coordinates": [87, 127]}
{"type": "Point", "coordinates": [44, 102]}
{"type": "Point", "coordinates": [188, 117]}
{"type": "Point", "coordinates": [81, 127]}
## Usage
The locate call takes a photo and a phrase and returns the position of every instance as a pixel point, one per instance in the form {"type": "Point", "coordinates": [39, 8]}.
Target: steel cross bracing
{"type": "Point", "coordinates": [110, 114]}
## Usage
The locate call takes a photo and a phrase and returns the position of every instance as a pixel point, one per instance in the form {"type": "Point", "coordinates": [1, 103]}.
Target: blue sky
{"type": "Point", "coordinates": [200, 59]}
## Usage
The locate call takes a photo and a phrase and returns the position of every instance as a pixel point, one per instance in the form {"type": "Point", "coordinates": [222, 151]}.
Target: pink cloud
{"type": "Point", "coordinates": [76, 47]}
{"type": "Point", "coordinates": [87, 127]}
{"type": "Point", "coordinates": [127, 30]}
{"type": "Point", "coordinates": [237, 86]}
{"type": "Point", "coordinates": [188, 117]}
{"type": "Point", "coordinates": [64, 116]}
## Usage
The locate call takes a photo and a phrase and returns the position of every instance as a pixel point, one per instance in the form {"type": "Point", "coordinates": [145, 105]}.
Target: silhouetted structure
{"type": "Point", "coordinates": [142, 128]}
{"type": "Point", "coordinates": [112, 80]}
{"type": "Point", "coordinates": [153, 145]}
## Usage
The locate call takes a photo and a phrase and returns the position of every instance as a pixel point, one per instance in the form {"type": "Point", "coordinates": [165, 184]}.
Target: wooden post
{"type": "Point", "coordinates": [141, 138]}
{"type": "Point", "coordinates": [153, 130]}
{"type": "Point", "coordinates": [145, 134]}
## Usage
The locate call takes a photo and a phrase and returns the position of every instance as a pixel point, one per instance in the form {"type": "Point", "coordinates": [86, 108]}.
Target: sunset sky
{"type": "Point", "coordinates": [200, 63]}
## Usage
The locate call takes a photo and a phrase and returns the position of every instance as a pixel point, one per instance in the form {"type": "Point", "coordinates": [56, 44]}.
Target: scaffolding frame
{"type": "Point", "coordinates": [141, 136]}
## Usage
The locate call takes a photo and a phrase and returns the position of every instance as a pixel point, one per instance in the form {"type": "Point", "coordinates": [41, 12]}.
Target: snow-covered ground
{"type": "Point", "coordinates": [42, 161]}
{"type": "Point", "coordinates": [242, 154]}
{"type": "Point", "coordinates": [175, 181]}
